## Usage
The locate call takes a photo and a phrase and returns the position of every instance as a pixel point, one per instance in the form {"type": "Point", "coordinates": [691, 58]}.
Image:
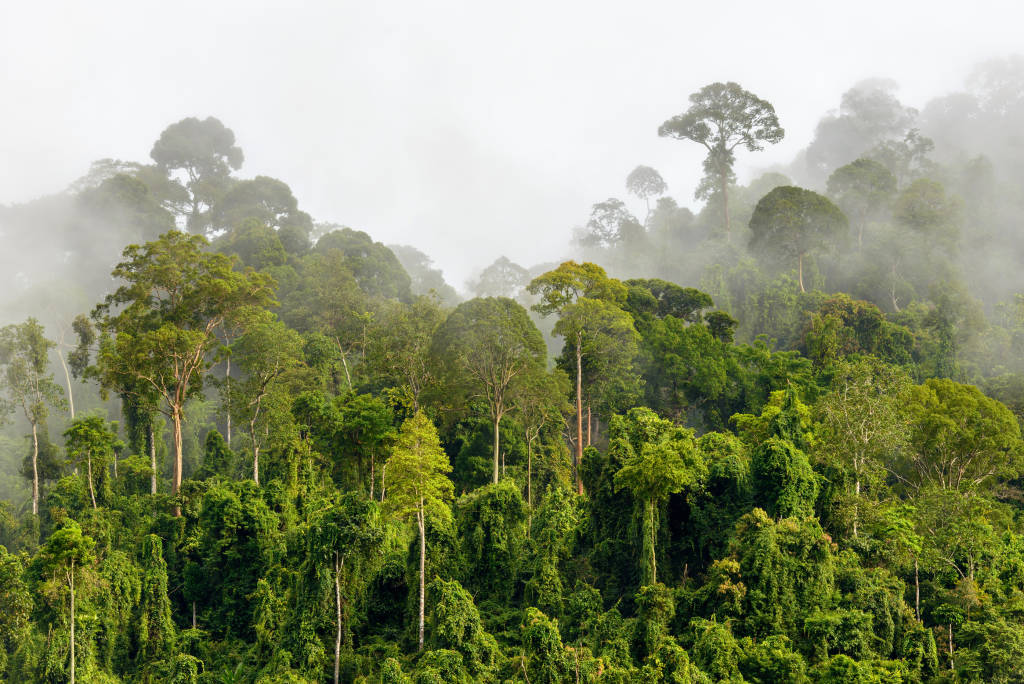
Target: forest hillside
{"type": "Point", "coordinates": [772, 434]}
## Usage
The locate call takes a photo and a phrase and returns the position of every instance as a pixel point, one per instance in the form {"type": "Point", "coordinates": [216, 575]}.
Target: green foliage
{"type": "Point", "coordinates": [456, 626]}
{"type": "Point", "coordinates": [793, 223]}
{"type": "Point", "coordinates": [492, 526]}
{"type": "Point", "coordinates": [657, 459]}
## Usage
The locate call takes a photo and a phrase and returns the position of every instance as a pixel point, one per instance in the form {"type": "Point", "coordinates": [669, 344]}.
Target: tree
{"type": "Point", "coordinates": [792, 222]}
{"type": "Point", "coordinates": [266, 354]}
{"type": "Point", "coordinates": [366, 428]}
{"type": "Point", "coordinates": [861, 422]}
{"type": "Point", "coordinates": [66, 557]}
{"type": "Point", "coordinates": [24, 354]}
{"type": "Point", "coordinates": [375, 268]}
{"type": "Point", "coordinates": [158, 328]}
{"type": "Point", "coordinates": [426, 280]}
{"type": "Point", "coordinates": [90, 439]}
{"type": "Point", "coordinates": [540, 398]}
{"type": "Point", "coordinates": [722, 117]}
{"type": "Point", "coordinates": [862, 189]}
{"type": "Point", "coordinates": [488, 344]}
{"type": "Point", "coordinates": [503, 278]}
{"type": "Point", "coordinates": [610, 224]}
{"type": "Point", "coordinates": [348, 530]}
{"type": "Point", "coordinates": [156, 627]}
{"type": "Point", "coordinates": [658, 459]}
{"type": "Point", "coordinates": [399, 346]}
{"type": "Point", "coordinates": [269, 201]}
{"type": "Point", "coordinates": [588, 302]}
{"type": "Point", "coordinates": [602, 334]}
{"type": "Point", "coordinates": [205, 151]}
{"type": "Point", "coordinates": [959, 439]}
{"type": "Point", "coordinates": [418, 485]}
{"type": "Point", "coordinates": [645, 183]}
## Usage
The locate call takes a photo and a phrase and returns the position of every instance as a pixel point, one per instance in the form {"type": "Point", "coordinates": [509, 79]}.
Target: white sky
{"type": "Point", "coordinates": [467, 129]}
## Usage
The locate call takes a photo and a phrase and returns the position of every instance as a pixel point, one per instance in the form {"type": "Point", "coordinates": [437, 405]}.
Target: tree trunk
{"type": "Point", "coordinates": [176, 481]}
{"type": "Point", "coordinates": [579, 412]}
{"type": "Point", "coordinates": [373, 474]}
{"type": "Point", "coordinates": [344, 363]}
{"type": "Point", "coordinates": [529, 474]}
{"type": "Point", "coordinates": [227, 397]}
{"type": "Point", "coordinates": [337, 606]}
{"type": "Point", "coordinates": [383, 474]}
{"type": "Point", "coordinates": [420, 515]}
{"type": "Point", "coordinates": [92, 491]}
{"type": "Point", "coordinates": [800, 270]}
{"type": "Point", "coordinates": [590, 424]}
{"type": "Point", "coordinates": [35, 469]}
{"type": "Point", "coordinates": [255, 451]}
{"type": "Point", "coordinates": [152, 458]}
{"type": "Point", "coordinates": [856, 491]}
{"type": "Point", "coordinates": [725, 207]}
{"type": "Point", "coordinates": [654, 559]}
{"type": "Point", "coordinates": [71, 583]}
{"type": "Point", "coordinates": [892, 289]}
{"type": "Point", "coordinates": [951, 646]}
{"type": "Point", "coordinates": [917, 592]}
{"type": "Point", "coordinates": [67, 379]}
{"type": "Point", "coordinates": [497, 424]}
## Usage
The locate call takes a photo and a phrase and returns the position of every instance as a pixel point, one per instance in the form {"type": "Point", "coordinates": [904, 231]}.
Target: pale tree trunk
{"type": "Point", "coordinates": [67, 379]}
{"type": "Point", "coordinates": [71, 583]}
{"type": "Point", "coordinates": [255, 452]}
{"type": "Point", "coordinates": [654, 556]}
{"type": "Point", "coordinates": [176, 481]}
{"type": "Point", "coordinates": [337, 606]}
{"type": "Point", "coordinates": [892, 289]}
{"type": "Point", "coordinates": [917, 592]}
{"type": "Point", "coordinates": [35, 469]}
{"type": "Point", "coordinates": [951, 665]}
{"type": "Point", "coordinates": [579, 412]}
{"type": "Point", "coordinates": [529, 474]}
{"type": "Point", "coordinates": [227, 394]}
{"type": "Point", "coordinates": [373, 474]}
{"type": "Point", "coordinates": [590, 424]}
{"type": "Point", "coordinates": [152, 458]}
{"type": "Point", "coordinates": [856, 501]}
{"type": "Point", "coordinates": [800, 270]}
{"type": "Point", "coordinates": [92, 491]}
{"type": "Point", "coordinates": [420, 515]}
{"type": "Point", "coordinates": [725, 207]}
{"type": "Point", "coordinates": [497, 423]}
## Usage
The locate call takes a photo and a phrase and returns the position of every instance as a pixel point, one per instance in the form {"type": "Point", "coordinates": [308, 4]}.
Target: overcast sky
{"type": "Point", "coordinates": [467, 129]}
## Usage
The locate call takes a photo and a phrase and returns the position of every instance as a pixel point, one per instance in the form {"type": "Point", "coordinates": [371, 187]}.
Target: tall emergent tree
{"type": "Point", "coordinates": [792, 222]}
{"type": "Point", "coordinates": [592, 324]}
{"type": "Point", "coordinates": [158, 328]}
{"type": "Point", "coordinates": [722, 117]}
{"type": "Point", "coordinates": [489, 344]}
{"type": "Point", "coordinates": [206, 152]}
{"type": "Point", "coordinates": [418, 485]}
{"type": "Point", "coordinates": [645, 183]}
{"type": "Point", "coordinates": [24, 355]}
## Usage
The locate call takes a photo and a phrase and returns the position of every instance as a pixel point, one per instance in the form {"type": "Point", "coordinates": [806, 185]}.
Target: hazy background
{"type": "Point", "coordinates": [467, 129]}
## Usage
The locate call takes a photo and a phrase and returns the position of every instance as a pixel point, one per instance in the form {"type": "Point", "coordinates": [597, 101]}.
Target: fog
{"type": "Point", "coordinates": [467, 130]}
